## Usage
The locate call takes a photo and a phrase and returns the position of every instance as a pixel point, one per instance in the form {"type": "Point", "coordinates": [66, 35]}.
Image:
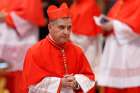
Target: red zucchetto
{"type": "Point", "coordinates": [56, 13]}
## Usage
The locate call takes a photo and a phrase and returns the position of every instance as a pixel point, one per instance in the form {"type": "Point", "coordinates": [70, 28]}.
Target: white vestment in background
{"type": "Point", "coordinates": [14, 42]}
{"type": "Point", "coordinates": [120, 63]}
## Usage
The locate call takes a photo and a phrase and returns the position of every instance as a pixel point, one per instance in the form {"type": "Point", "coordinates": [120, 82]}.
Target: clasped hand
{"type": "Point", "coordinates": [108, 25]}
{"type": "Point", "coordinates": [68, 81]}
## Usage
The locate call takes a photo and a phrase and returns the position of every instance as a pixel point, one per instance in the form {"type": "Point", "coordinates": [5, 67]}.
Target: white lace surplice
{"type": "Point", "coordinates": [120, 64]}
{"type": "Point", "coordinates": [52, 85]}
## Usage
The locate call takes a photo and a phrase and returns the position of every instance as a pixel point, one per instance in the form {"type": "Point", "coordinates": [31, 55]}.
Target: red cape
{"type": "Point", "coordinates": [45, 60]}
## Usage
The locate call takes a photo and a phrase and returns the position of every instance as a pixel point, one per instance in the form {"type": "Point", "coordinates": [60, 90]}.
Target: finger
{"type": "Point", "coordinates": [69, 84]}
{"type": "Point", "coordinates": [71, 78]}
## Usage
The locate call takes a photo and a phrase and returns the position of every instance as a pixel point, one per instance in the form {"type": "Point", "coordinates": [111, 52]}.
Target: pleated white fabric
{"type": "Point", "coordinates": [120, 63]}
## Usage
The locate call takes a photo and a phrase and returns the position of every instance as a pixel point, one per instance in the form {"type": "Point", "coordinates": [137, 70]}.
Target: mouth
{"type": "Point", "coordinates": [66, 36]}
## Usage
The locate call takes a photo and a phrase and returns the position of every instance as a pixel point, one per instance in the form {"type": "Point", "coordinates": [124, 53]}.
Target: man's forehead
{"type": "Point", "coordinates": [64, 21]}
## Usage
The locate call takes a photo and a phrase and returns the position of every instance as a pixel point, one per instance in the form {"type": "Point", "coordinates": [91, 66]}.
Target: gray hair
{"type": "Point", "coordinates": [52, 22]}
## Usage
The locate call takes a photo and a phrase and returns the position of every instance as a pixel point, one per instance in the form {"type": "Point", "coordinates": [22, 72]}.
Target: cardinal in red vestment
{"type": "Point", "coordinates": [55, 64]}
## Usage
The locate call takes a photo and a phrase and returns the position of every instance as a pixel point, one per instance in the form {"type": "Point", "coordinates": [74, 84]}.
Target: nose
{"type": "Point", "coordinates": [66, 31]}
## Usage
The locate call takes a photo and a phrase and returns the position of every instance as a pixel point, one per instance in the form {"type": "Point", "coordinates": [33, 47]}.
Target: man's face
{"type": "Point", "coordinates": [60, 30]}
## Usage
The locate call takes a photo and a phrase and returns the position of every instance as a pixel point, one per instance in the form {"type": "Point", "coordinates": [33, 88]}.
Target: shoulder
{"type": "Point", "coordinates": [36, 48]}
{"type": "Point", "coordinates": [75, 48]}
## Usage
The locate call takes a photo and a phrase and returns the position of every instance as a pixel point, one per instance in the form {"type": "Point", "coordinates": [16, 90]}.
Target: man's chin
{"type": "Point", "coordinates": [65, 41]}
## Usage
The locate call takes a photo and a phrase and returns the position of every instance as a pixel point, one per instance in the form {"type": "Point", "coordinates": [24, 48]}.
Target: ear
{"type": "Point", "coordinates": [49, 26]}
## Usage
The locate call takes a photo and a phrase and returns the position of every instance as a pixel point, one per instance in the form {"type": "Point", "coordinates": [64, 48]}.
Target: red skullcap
{"type": "Point", "coordinates": [56, 13]}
